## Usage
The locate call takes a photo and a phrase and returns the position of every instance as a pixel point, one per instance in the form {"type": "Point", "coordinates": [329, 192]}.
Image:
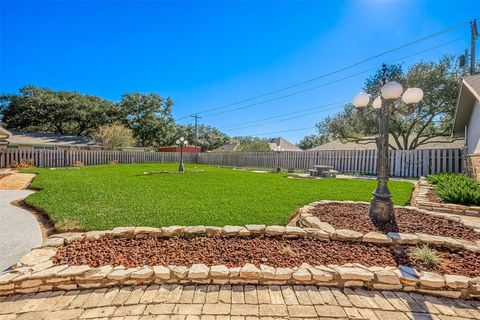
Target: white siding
{"type": "Point", "coordinates": [473, 133]}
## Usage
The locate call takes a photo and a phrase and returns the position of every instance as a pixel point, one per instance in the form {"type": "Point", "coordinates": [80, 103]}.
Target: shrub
{"type": "Point", "coordinates": [426, 255]}
{"type": "Point", "coordinates": [287, 250]}
{"type": "Point", "coordinates": [114, 136]}
{"type": "Point", "coordinates": [436, 178]}
{"type": "Point", "coordinates": [456, 188]}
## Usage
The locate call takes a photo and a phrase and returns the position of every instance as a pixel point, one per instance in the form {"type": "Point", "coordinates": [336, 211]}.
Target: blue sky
{"type": "Point", "coordinates": [210, 54]}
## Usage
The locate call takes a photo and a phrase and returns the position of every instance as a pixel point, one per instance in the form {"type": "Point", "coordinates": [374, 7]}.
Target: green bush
{"type": "Point", "coordinates": [436, 178]}
{"type": "Point", "coordinates": [456, 188]}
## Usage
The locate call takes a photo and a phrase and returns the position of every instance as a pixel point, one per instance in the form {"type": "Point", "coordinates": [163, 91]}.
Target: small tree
{"type": "Point", "coordinates": [114, 136]}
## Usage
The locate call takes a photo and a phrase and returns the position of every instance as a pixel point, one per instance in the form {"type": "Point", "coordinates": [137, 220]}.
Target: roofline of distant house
{"type": "Point", "coordinates": [4, 133]}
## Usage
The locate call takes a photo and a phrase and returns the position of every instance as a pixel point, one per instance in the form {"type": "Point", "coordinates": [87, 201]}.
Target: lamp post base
{"type": "Point", "coordinates": [381, 209]}
{"type": "Point", "coordinates": [181, 168]}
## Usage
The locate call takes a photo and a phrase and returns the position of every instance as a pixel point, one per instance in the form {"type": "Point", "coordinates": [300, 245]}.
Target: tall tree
{"type": "Point", "coordinates": [149, 116]}
{"type": "Point", "coordinates": [208, 137]}
{"type": "Point", "coordinates": [62, 112]}
{"type": "Point", "coordinates": [431, 120]}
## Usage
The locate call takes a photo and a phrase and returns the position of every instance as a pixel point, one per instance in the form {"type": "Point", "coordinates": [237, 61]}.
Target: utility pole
{"type": "Point", "coordinates": [473, 37]}
{"type": "Point", "coordinates": [196, 117]}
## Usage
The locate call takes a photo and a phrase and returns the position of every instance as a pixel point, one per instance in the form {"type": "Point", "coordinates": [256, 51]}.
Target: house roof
{"type": "Point", "coordinates": [469, 94]}
{"type": "Point", "coordinates": [4, 133]}
{"type": "Point", "coordinates": [437, 143]}
{"type": "Point", "coordinates": [229, 147]}
{"type": "Point", "coordinates": [284, 145]}
{"type": "Point", "coordinates": [49, 139]}
{"type": "Point", "coordinates": [274, 143]}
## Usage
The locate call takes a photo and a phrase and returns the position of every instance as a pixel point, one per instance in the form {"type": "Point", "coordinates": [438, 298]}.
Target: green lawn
{"type": "Point", "coordinates": [108, 196]}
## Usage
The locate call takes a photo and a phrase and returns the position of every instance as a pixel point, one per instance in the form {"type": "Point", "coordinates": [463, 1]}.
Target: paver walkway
{"type": "Point", "coordinates": [237, 302]}
{"type": "Point", "coordinates": [19, 230]}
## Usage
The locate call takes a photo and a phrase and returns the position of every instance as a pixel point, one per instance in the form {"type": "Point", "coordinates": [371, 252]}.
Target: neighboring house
{"type": "Point", "coordinates": [275, 144]}
{"type": "Point", "coordinates": [52, 141]}
{"type": "Point", "coordinates": [467, 123]}
{"type": "Point", "coordinates": [4, 134]}
{"type": "Point", "coordinates": [229, 147]}
{"type": "Point", "coordinates": [436, 143]}
{"type": "Point", "coordinates": [282, 145]}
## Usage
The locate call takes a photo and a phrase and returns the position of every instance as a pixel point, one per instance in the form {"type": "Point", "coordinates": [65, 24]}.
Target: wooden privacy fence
{"type": "Point", "coordinates": [403, 163]}
{"type": "Point", "coordinates": [67, 158]}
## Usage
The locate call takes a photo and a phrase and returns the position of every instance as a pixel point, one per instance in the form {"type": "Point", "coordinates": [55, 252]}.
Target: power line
{"type": "Point", "coordinates": [285, 114]}
{"type": "Point", "coordinates": [283, 131]}
{"type": "Point", "coordinates": [296, 117]}
{"type": "Point", "coordinates": [331, 82]}
{"type": "Point", "coordinates": [338, 70]}
{"type": "Point", "coordinates": [292, 130]}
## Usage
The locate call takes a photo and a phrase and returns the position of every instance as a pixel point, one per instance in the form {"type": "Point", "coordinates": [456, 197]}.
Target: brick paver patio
{"type": "Point", "coordinates": [242, 302]}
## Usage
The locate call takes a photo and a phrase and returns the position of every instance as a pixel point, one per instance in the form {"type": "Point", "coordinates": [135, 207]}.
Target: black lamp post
{"type": "Point", "coordinates": [381, 205]}
{"type": "Point", "coordinates": [182, 143]}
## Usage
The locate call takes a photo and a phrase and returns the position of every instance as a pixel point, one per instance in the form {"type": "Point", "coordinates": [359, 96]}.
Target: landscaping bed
{"type": "Point", "coordinates": [456, 188]}
{"type": "Point", "coordinates": [354, 216]}
{"type": "Point", "coordinates": [426, 197]}
{"type": "Point", "coordinates": [272, 251]}
{"type": "Point", "coordinates": [432, 196]}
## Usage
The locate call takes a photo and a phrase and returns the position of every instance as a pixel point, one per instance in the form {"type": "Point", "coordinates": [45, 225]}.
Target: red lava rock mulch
{"type": "Point", "coordinates": [274, 251]}
{"type": "Point", "coordinates": [355, 217]}
{"type": "Point", "coordinates": [432, 196]}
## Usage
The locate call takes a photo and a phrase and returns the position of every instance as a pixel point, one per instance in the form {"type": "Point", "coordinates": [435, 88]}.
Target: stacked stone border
{"type": "Point", "coordinates": [36, 272]}
{"type": "Point", "coordinates": [421, 201]}
{"type": "Point", "coordinates": [307, 219]}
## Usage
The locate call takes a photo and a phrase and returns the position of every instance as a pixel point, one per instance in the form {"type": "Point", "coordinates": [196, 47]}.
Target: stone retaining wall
{"type": "Point", "coordinates": [36, 272]}
{"type": "Point", "coordinates": [307, 219]}
{"type": "Point", "coordinates": [421, 201]}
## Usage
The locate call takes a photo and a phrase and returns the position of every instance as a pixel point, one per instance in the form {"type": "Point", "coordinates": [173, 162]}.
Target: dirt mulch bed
{"type": "Point", "coordinates": [432, 196]}
{"type": "Point", "coordinates": [355, 217]}
{"type": "Point", "coordinates": [274, 251]}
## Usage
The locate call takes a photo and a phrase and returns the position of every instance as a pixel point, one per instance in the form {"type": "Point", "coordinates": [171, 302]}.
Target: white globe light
{"type": "Point", "coordinates": [361, 100]}
{"type": "Point", "coordinates": [412, 95]}
{"type": "Point", "coordinates": [377, 103]}
{"type": "Point", "coordinates": [392, 90]}
{"type": "Point", "coordinates": [182, 138]}
{"type": "Point", "coordinates": [185, 142]}
{"type": "Point", "coordinates": [177, 142]}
